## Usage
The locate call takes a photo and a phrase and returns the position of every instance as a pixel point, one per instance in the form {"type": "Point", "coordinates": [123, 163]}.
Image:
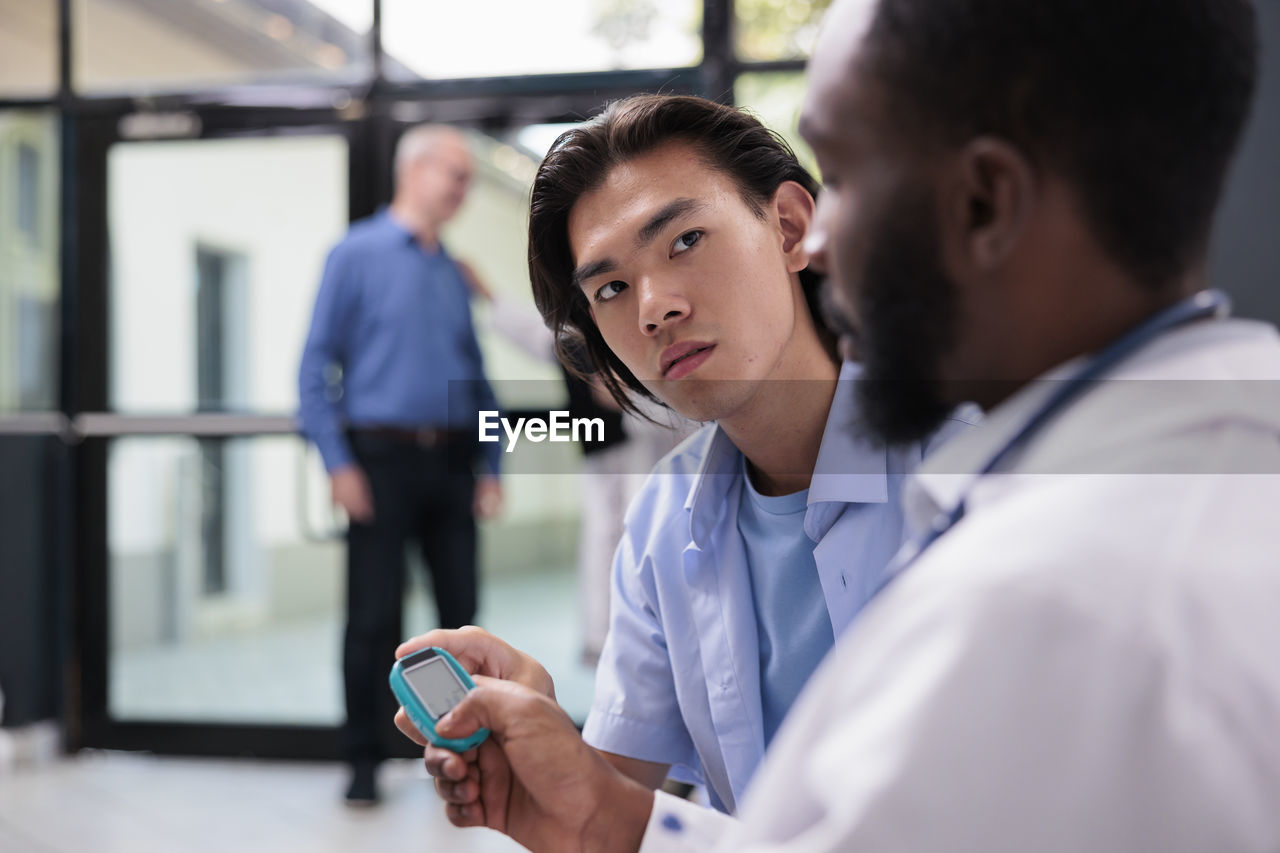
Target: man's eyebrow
{"type": "Point", "coordinates": [591, 270]}
{"type": "Point", "coordinates": [669, 212]}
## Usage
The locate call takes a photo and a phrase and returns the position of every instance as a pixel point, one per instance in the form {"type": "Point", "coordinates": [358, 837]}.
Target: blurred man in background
{"type": "Point", "coordinates": [390, 383]}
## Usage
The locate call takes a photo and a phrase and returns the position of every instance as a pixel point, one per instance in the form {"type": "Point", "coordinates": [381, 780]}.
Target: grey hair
{"type": "Point", "coordinates": [419, 141]}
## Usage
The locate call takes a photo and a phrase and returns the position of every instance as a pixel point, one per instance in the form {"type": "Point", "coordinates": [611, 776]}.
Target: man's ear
{"type": "Point", "coordinates": [989, 203]}
{"type": "Point", "coordinates": [794, 207]}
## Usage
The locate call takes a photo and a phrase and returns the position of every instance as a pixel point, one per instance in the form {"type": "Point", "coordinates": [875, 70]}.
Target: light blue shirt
{"type": "Point", "coordinates": [792, 624]}
{"type": "Point", "coordinates": [679, 680]}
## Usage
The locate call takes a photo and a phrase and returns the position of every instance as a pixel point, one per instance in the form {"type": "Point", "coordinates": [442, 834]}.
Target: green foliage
{"type": "Point", "coordinates": [775, 98]}
{"type": "Point", "coordinates": [777, 29]}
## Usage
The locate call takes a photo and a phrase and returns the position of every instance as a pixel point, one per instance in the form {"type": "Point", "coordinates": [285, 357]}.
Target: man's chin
{"type": "Point", "coordinates": [703, 400]}
{"type": "Point", "coordinates": [900, 411]}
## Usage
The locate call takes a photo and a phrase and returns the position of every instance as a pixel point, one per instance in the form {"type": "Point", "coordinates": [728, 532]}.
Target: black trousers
{"type": "Point", "coordinates": [422, 494]}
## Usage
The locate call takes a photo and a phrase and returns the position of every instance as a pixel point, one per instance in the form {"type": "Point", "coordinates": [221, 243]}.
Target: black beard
{"type": "Point", "coordinates": [908, 309]}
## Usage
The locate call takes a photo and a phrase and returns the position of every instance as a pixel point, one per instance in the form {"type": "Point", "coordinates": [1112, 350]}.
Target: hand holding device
{"type": "Point", "coordinates": [481, 653]}
{"type": "Point", "coordinates": [538, 781]}
{"type": "Point", "coordinates": [428, 684]}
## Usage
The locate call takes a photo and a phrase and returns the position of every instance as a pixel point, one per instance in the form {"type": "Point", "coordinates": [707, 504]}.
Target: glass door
{"type": "Point", "coordinates": [222, 606]}
{"type": "Point", "coordinates": [211, 567]}
{"type": "Point", "coordinates": [211, 571]}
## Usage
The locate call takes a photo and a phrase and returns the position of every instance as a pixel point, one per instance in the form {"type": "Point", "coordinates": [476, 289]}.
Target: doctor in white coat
{"type": "Point", "coordinates": [1079, 653]}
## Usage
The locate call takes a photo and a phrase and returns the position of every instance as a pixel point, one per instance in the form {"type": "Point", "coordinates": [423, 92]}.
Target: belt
{"type": "Point", "coordinates": [420, 436]}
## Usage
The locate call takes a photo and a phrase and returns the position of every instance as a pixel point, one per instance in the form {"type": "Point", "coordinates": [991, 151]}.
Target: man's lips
{"type": "Point", "coordinates": [675, 354]}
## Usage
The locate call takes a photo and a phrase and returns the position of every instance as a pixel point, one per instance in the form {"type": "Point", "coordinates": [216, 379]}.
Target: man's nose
{"type": "Point", "coordinates": [661, 303]}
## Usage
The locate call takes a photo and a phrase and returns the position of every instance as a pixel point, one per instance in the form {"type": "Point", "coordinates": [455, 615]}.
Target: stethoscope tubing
{"type": "Point", "coordinates": [1199, 306]}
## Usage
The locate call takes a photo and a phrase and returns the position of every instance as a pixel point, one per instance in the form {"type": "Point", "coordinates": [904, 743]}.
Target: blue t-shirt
{"type": "Point", "coordinates": [792, 621]}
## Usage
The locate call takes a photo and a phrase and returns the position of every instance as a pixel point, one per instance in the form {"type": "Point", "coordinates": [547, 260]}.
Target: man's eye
{"type": "Point", "coordinates": [685, 241]}
{"type": "Point", "coordinates": [609, 290]}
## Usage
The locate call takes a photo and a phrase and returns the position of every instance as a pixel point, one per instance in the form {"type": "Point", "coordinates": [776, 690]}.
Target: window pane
{"type": "Point", "coordinates": [221, 609]}
{"type": "Point", "coordinates": [434, 39]}
{"type": "Point", "coordinates": [227, 591]}
{"type": "Point", "coordinates": [216, 250]}
{"type": "Point", "coordinates": [28, 261]}
{"type": "Point", "coordinates": [146, 45]}
{"type": "Point", "coordinates": [28, 47]}
{"type": "Point", "coordinates": [776, 98]}
{"type": "Point", "coordinates": [777, 29]}
{"type": "Point", "coordinates": [490, 234]}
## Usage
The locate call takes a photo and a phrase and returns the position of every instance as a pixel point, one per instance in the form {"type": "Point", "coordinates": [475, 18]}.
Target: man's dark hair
{"type": "Point", "coordinates": [1139, 103]}
{"type": "Point", "coordinates": [728, 140]}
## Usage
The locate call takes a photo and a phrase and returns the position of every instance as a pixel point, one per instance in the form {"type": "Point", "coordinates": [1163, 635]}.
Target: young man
{"type": "Point", "coordinates": [668, 234]}
{"type": "Point", "coordinates": [1081, 655]}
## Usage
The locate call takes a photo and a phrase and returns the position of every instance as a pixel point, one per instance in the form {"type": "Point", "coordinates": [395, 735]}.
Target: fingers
{"type": "Point", "coordinates": [495, 784]}
{"type": "Point", "coordinates": [476, 649]}
{"type": "Point", "coordinates": [362, 512]}
{"type": "Point", "coordinates": [414, 644]}
{"type": "Point", "coordinates": [363, 501]}
{"type": "Point", "coordinates": [488, 499]}
{"type": "Point", "coordinates": [471, 814]}
{"type": "Point", "coordinates": [447, 764]}
{"type": "Point", "coordinates": [354, 509]}
{"type": "Point", "coordinates": [462, 791]}
{"type": "Point", "coordinates": [501, 706]}
{"type": "Point", "coordinates": [351, 491]}
{"type": "Point", "coordinates": [409, 729]}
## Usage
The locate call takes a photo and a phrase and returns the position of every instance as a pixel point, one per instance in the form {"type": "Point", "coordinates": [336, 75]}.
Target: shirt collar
{"type": "Point", "coordinates": [1100, 431]}
{"type": "Point", "coordinates": [711, 484]}
{"type": "Point", "coordinates": [947, 474]}
{"type": "Point", "coordinates": [404, 235]}
{"type": "Point", "coordinates": [849, 469]}
{"type": "Point", "coordinates": [394, 225]}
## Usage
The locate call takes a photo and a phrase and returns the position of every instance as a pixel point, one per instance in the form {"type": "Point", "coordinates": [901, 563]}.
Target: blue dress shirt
{"type": "Point", "coordinates": [391, 343]}
{"type": "Point", "coordinates": [679, 680]}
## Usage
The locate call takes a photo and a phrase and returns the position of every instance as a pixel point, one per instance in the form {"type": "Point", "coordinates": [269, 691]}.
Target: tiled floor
{"type": "Point", "coordinates": [133, 803]}
{"type": "Point", "coordinates": [126, 803]}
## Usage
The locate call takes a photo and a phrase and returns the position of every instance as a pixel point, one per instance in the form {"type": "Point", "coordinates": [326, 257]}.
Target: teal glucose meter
{"type": "Point", "coordinates": [429, 683]}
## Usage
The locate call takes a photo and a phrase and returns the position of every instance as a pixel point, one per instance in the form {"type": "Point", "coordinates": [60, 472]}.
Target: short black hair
{"type": "Point", "coordinates": [729, 140]}
{"type": "Point", "coordinates": [1139, 103]}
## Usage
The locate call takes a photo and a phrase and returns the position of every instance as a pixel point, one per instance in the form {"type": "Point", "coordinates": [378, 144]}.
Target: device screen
{"type": "Point", "coordinates": [437, 685]}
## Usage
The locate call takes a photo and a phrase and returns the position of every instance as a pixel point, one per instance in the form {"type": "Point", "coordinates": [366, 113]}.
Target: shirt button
{"type": "Point", "coordinates": [671, 823]}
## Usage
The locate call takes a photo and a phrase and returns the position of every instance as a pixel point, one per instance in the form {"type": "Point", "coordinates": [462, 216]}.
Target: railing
{"type": "Point", "coordinates": [200, 425]}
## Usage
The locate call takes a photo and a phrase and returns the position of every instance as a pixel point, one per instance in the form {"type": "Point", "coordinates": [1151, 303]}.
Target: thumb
{"type": "Point", "coordinates": [494, 704]}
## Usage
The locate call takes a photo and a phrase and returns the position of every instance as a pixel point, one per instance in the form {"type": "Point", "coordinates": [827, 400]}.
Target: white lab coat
{"type": "Point", "coordinates": [1089, 661]}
